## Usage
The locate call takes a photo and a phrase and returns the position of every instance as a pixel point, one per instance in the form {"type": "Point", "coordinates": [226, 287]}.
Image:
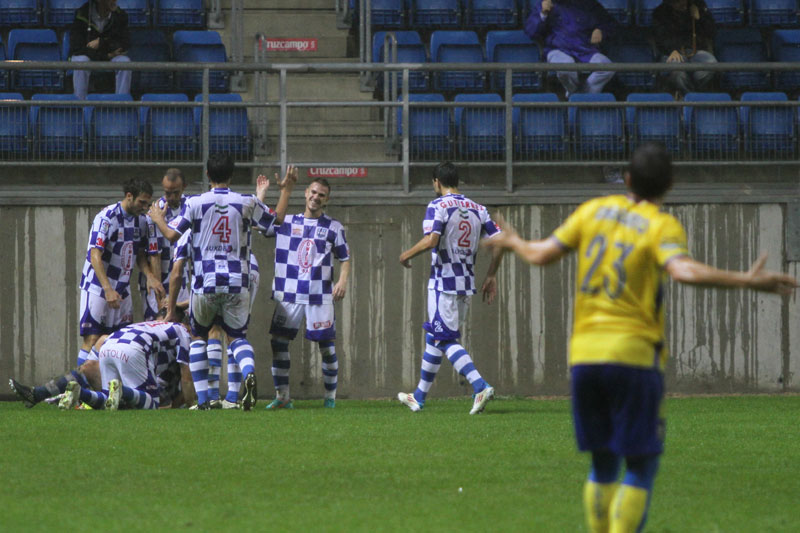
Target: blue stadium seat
{"type": "Point", "coordinates": [227, 126]}
{"type": "Point", "coordinates": [727, 12]}
{"type": "Point", "coordinates": [596, 131]}
{"type": "Point", "coordinates": [772, 12]}
{"type": "Point", "coordinates": [138, 12]}
{"type": "Point", "coordinates": [389, 13]}
{"type": "Point", "coordinates": [457, 47]}
{"type": "Point", "coordinates": [60, 13]}
{"type": "Point", "coordinates": [768, 130]}
{"type": "Point", "coordinates": [492, 13]}
{"type": "Point", "coordinates": [409, 50]}
{"type": "Point", "coordinates": [13, 127]}
{"type": "Point", "coordinates": [111, 130]}
{"type": "Point", "coordinates": [150, 46]}
{"type": "Point", "coordinates": [167, 131]}
{"type": "Point", "coordinates": [58, 131]}
{"type": "Point", "coordinates": [513, 46]}
{"type": "Point", "coordinates": [741, 45]}
{"type": "Point", "coordinates": [435, 14]}
{"type": "Point", "coordinates": [632, 50]}
{"type": "Point", "coordinates": [35, 45]}
{"type": "Point", "coordinates": [179, 13]}
{"type": "Point", "coordinates": [196, 47]}
{"type": "Point", "coordinates": [429, 128]}
{"type": "Point", "coordinates": [481, 131]}
{"type": "Point", "coordinates": [3, 73]}
{"type": "Point", "coordinates": [660, 124]}
{"type": "Point", "coordinates": [644, 12]}
{"type": "Point", "coordinates": [713, 131]}
{"type": "Point", "coordinates": [786, 48]}
{"type": "Point", "coordinates": [619, 9]}
{"type": "Point", "coordinates": [16, 13]}
{"type": "Point", "coordinates": [539, 133]}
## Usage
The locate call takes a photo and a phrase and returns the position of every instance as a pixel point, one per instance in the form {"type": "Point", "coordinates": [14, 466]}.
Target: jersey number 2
{"type": "Point", "coordinates": [466, 230]}
{"type": "Point", "coordinates": [222, 229]}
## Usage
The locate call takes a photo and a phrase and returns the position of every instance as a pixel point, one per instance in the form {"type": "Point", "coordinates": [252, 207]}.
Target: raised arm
{"type": "Point", "coordinates": [540, 252]}
{"type": "Point", "coordinates": [687, 270]}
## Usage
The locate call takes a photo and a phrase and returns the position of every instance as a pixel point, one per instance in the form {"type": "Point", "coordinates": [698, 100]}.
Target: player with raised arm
{"type": "Point", "coordinates": [625, 246]}
{"type": "Point", "coordinates": [452, 228]}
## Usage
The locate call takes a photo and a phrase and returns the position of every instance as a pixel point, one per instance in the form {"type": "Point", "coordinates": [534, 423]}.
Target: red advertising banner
{"type": "Point", "coordinates": [337, 172]}
{"type": "Point", "coordinates": [291, 45]}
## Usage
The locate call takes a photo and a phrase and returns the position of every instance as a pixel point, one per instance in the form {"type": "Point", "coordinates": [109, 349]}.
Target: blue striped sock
{"type": "Point", "coordinates": [58, 385]}
{"type": "Point", "coordinates": [234, 379]}
{"type": "Point", "coordinates": [330, 368]}
{"type": "Point", "coordinates": [82, 356]}
{"type": "Point", "coordinates": [138, 399]}
{"type": "Point", "coordinates": [214, 352]}
{"type": "Point", "coordinates": [95, 400]}
{"type": "Point", "coordinates": [462, 362]}
{"type": "Point", "coordinates": [198, 366]}
{"type": "Point", "coordinates": [243, 353]}
{"type": "Point", "coordinates": [431, 362]}
{"type": "Point", "coordinates": [280, 366]}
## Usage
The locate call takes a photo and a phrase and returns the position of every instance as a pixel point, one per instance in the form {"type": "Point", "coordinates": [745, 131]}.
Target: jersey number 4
{"type": "Point", "coordinates": [597, 248]}
{"type": "Point", "coordinates": [222, 229]}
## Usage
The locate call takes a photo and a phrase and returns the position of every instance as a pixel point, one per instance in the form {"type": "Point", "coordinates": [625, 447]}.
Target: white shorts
{"type": "Point", "coordinates": [126, 362]}
{"type": "Point", "coordinates": [320, 321]}
{"type": "Point", "coordinates": [99, 318]}
{"type": "Point", "coordinates": [229, 310]}
{"type": "Point", "coordinates": [446, 312]}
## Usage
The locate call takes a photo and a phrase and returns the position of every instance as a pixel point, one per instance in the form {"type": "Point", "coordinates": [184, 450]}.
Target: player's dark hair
{"type": "Point", "coordinates": [137, 186]}
{"type": "Point", "coordinates": [174, 174]}
{"type": "Point", "coordinates": [651, 171]}
{"type": "Point", "coordinates": [323, 182]}
{"type": "Point", "coordinates": [220, 168]}
{"type": "Point", "coordinates": [446, 173]}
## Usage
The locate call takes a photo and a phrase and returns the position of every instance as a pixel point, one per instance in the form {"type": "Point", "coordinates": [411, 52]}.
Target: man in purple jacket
{"type": "Point", "coordinates": [572, 30]}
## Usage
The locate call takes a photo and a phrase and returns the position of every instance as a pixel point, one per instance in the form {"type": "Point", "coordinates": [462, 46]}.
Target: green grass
{"type": "Point", "coordinates": [732, 464]}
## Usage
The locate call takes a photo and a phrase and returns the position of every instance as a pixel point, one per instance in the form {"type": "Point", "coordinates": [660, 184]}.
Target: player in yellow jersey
{"type": "Point", "coordinates": [626, 246]}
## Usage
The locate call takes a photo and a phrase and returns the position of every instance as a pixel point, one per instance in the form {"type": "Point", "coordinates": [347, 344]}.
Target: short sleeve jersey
{"type": "Point", "coordinates": [460, 223]}
{"type": "Point", "coordinates": [304, 251]}
{"type": "Point", "coordinates": [165, 247]}
{"type": "Point", "coordinates": [221, 222]}
{"type": "Point", "coordinates": [162, 342]}
{"type": "Point", "coordinates": [120, 236]}
{"type": "Point", "coordinates": [623, 247]}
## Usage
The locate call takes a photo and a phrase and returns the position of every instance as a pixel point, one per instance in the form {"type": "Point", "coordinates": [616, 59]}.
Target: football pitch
{"type": "Point", "coordinates": [732, 464]}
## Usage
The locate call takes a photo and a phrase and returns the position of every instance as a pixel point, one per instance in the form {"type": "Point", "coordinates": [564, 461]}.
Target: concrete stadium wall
{"type": "Point", "coordinates": [720, 341]}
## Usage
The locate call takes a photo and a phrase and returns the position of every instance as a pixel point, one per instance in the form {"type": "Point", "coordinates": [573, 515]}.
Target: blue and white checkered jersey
{"type": "Point", "coordinates": [120, 237]}
{"type": "Point", "coordinates": [221, 221]}
{"type": "Point", "coordinates": [162, 342]}
{"type": "Point", "coordinates": [165, 247]}
{"type": "Point", "coordinates": [461, 223]}
{"type": "Point", "coordinates": [304, 248]}
{"type": "Point", "coordinates": [183, 249]}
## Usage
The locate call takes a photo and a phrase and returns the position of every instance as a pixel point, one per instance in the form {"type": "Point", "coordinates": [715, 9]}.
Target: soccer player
{"type": "Point", "coordinates": [625, 245]}
{"type": "Point", "coordinates": [303, 287]}
{"type": "Point", "coordinates": [221, 222]}
{"type": "Point", "coordinates": [452, 228]}
{"type": "Point", "coordinates": [173, 184]}
{"type": "Point", "coordinates": [120, 236]}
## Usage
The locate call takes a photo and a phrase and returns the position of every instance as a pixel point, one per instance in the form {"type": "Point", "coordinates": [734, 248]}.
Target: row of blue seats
{"type": "Point", "coordinates": [513, 46]}
{"type": "Point", "coordinates": [443, 14]}
{"type": "Point", "coordinates": [146, 45]}
{"type": "Point", "coordinates": [109, 130]}
{"type": "Point", "coordinates": [61, 13]}
{"type": "Point", "coordinates": [705, 131]}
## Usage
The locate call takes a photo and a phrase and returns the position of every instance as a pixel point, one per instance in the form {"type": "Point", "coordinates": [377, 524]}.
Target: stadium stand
{"type": "Point", "coordinates": [768, 131]}
{"type": "Point", "coordinates": [17, 13]}
{"type": "Point", "coordinates": [711, 132]}
{"type": "Point", "coordinates": [409, 50]}
{"type": "Point", "coordinates": [138, 12]}
{"type": "Point", "coordinates": [179, 13]}
{"type": "Point", "coordinates": [596, 131]}
{"type": "Point", "coordinates": [167, 131]}
{"type": "Point", "coordinates": [35, 45]}
{"type": "Point", "coordinates": [737, 45]}
{"type": "Point", "coordinates": [111, 131]}
{"type": "Point", "coordinates": [429, 127]}
{"type": "Point", "coordinates": [619, 9]}
{"type": "Point", "coordinates": [644, 12]}
{"type": "Point", "coordinates": [632, 48]}
{"type": "Point", "coordinates": [513, 46]}
{"type": "Point", "coordinates": [786, 47]}
{"type": "Point", "coordinates": [150, 46]}
{"type": "Point", "coordinates": [58, 131]}
{"type": "Point", "coordinates": [767, 13]}
{"type": "Point", "coordinates": [196, 47]}
{"type": "Point", "coordinates": [481, 131]}
{"type": "Point", "coordinates": [539, 132]}
{"type": "Point", "coordinates": [13, 128]}
{"type": "Point", "coordinates": [659, 124]}
{"type": "Point", "coordinates": [60, 13]}
{"type": "Point", "coordinates": [434, 14]}
{"type": "Point", "coordinates": [228, 126]}
{"type": "Point", "coordinates": [3, 73]}
{"type": "Point", "coordinates": [389, 14]}
{"type": "Point", "coordinates": [727, 12]}
{"type": "Point", "coordinates": [457, 47]}
{"type": "Point", "coordinates": [491, 13]}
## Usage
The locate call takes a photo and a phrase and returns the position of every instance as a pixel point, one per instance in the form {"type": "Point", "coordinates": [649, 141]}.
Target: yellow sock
{"type": "Point", "coordinates": [596, 502]}
{"type": "Point", "coordinates": [628, 509]}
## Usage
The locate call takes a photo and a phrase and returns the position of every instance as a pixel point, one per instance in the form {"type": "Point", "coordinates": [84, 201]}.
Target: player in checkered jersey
{"type": "Point", "coordinates": [120, 236]}
{"type": "Point", "coordinates": [453, 226]}
{"type": "Point", "coordinates": [173, 184]}
{"type": "Point", "coordinates": [303, 287]}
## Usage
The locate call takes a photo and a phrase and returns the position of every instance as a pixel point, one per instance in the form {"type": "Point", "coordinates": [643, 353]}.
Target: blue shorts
{"type": "Point", "coordinates": [618, 409]}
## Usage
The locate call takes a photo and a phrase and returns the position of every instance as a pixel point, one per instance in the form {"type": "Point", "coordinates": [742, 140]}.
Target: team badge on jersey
{"type": "Point", "coordinates": [104, 225]}
{"type": "Point", "coordinates": [305, 255]}
{"type": "Point", "coordinates": [322, 233]}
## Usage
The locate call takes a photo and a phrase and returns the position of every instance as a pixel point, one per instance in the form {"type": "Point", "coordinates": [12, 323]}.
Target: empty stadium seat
{"type": "Point", "coordinates": [138, 12]}
{"type": "Point", "coordinates": [196, 47]}
{"type": "Point", "coordinates": [150, 46]}
{"type": "Point", "coordinates": [492, 13]}
{"type": "Point", "coordinates": [596, 131]}
{"type": "Point", "coordinates": [727, 12]}
{"type": "Point", "coordinates": [409, 50]}
{"type": "Point", "coordinates": [388, 13]}
{"type": "Point", "coordinates": [634, 49]}
{"type": "Point", "coordinates": [619, 9]}
{"type": "Point", "coordinates": [434, 14]}
{"type": "Point", "coordinates": [179, 13]}
{"type": "Point", "coordinates": [35, 45]}
{"type": "Point", "coordinates": [539, 133]}
{"type": "Point", "coordinates": [481, 131]}
{"type": "Point", "coordinates": [3, 73]}
{"type": "Point", "coordinates": [13, 127]}
{"type": "Point", "coordinates": [741, 45]}
{"type": "Point", "coordinates": [111, 130]}
{"type": "Point", "coordinates": [659, 124]}
{"type": "Point", "coordinates": [428, 128]}
{"type": "Point", "coordinates": [60, 13]}
{"type": "Point", "coordinates": [713, 131]}
{"type": "Point", "coordinates": [786, 48]}
{"type": "Point", "coordinates": [227, 126]}
{"type": "Point", "coordinates": [58, 130]}
{"type": "Point", "coordinates": [457, 47]}
{"type": "Point", "coordinates": [513, 46]}
{"type": "Point", "coordinates": [644, 11]}
{"type": "Point", "coordinates": [772, 12]}
{"type": "Point", "coordinates": [167, 131]}
{"type": "Point", "coordinates": [768, 130]}
{"type": "Point", "coordinates": [16, 13]}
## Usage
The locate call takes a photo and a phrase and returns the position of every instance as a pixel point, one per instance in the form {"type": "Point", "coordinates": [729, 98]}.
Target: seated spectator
{"type": "Point", "coordinates": [572, 30]}
{"type": "Point", "coordinates": [99, 33]}
{"type": "Point", "coordinates": [684, 31]}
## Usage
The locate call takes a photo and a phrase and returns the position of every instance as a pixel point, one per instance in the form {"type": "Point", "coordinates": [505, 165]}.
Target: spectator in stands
{"type": "Point", "coordinates": [572, 30]}
{"type": "Point", "coordinates": [99, 33]}
{"type": "Point", "coordinates": [684, 31]}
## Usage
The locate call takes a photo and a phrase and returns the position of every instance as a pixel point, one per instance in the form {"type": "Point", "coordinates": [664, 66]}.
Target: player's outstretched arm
{"type": "Point", "coordinates": [428, 242]}
{"type": "Point", "coordinates": [540, 252]}
{"type": "Point", "coordinates": [689, 271]}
